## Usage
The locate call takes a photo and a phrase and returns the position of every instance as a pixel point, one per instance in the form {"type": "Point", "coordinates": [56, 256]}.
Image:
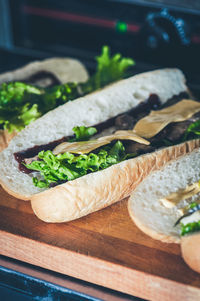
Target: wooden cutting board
{"type": "Point", "coordinates": [104, 248]}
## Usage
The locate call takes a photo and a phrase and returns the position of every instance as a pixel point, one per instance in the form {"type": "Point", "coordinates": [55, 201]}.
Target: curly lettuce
{"type": "Point", "coordinates": [18, 105]}
{"type": "Point", "coordinates": [56, 169]}
{"type": "Point", "coordinates": [21, 103]}
{"type": "Point", "coordinates": [109, 69]}
{"type": "Point", "coordinates": [83, 133]}
{"type": "Point", "coordinates": [190, 228]}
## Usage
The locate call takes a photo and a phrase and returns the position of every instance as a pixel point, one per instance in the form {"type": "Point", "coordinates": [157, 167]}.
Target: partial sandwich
{"type": "Point", "coordinates": [44, 86]}
{"type": "Point", "coordinates": [41, 74]}
{"type": "Point", "coordinates": [80, 174]}
{"type": "Point", "coordinates": [166, 205]}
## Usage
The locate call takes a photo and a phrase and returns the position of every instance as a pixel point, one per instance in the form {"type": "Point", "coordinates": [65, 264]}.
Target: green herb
{"type": "Point", "coordinates": [193, 130]}
{"type": "Point", "coordinates": [193, 205]}
{"type": "Point", "coordinates": [21, 103]}
{"type": "Point", "coordinates": [67, 166]}
{"type": "Point", "coordinates": [83, 133]}
{"type": "Point", "coordinates": [189, 228]}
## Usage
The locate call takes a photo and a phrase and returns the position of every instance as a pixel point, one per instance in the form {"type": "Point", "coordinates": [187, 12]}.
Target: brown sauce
{"type": "Point", "coordinates": [43, 78]}
{"type": "Point", "coordinates": [33, 151]}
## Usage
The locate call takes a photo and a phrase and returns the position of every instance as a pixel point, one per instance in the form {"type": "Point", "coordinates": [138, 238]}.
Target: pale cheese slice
{"type": "Point", "coordinates": [84, 147]}
{"type": "Point", "coordinates": [176, 197]}
{"type": "Point", "coordinates": [152, 124]}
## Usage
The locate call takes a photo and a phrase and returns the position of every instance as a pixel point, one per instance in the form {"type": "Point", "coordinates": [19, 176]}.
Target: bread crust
{"type": "Point", "coordinates": [5, 138]}
{"type": "Point", "coordinates": [100, 189]}
{"type": "Point", "coordinates": [190, 249]}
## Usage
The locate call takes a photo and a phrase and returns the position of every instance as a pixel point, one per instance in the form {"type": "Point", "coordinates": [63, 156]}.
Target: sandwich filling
{"type": "Point", "coordinates": [190, 222]}
{"type": "Point", "coordinates": [92, 149]}
{"type": "Point", "coordinates": [190, 215]}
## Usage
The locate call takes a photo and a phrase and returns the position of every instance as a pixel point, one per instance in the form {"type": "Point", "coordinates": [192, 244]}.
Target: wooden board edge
{"type": "Point", "coordinates": [94, 270]}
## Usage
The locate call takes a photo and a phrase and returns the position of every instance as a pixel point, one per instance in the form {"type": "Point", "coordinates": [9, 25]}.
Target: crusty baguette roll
{"type": "Point", "coordinates": [190, 249]}
{"type": "Point", "coordinates": [146, 205]}
{"type": "Point", "coordinates": [63, 69]}
{"type": "Point", "coordinates": [97, 190]}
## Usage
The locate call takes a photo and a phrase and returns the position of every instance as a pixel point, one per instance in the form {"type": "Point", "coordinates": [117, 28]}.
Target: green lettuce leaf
{"type": "Point", "coordinates": [58, 95]}
{"type": "Point", "coordinates": [190, 228]}
{"type": "Point", "coordinates": [83, 133]}
{"type": "Point", "coordinates": [193, 131]}
{"type": "Point", "coordinates": [109, 69]}
{"type": "Point", "coordinates": [67, 167]}
{"type": "Point", "coordinates": [16, 93]}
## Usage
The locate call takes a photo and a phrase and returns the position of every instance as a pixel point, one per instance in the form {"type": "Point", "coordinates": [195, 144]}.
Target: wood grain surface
{"type": "Point", "coordinates": [104, 248]}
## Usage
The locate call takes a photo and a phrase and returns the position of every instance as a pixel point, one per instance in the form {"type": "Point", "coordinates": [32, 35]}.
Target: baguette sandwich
{"type": "Point", "coordinates": [166, 205]}
{"type": "Point", "coordinates": [30, 92]}
{"type": "Point", "coordinates": [43, 74]}
{"type": "Point", "coordinates": [73, 179]}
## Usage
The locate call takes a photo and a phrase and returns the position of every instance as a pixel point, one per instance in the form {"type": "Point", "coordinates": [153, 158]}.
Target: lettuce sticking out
{"type": "Point", "coordinates": [21, 103]}
{"type": "Point", "coordinates": [18, 105]}
{"type": "Point", "coordinates": [193, 131]}
{"type": "Point", "coordinates": [109, 69]}
{"type": "Point", "coordinates": [56, 169]}
{"type": "Point", "coordinates": [83, 133]}
{"type": "Point", "coordinates": [27, 114]}
{"type": "Point", "coordinates": [58, 95]}
{"type": "Point", "coordinates": [190, 228]}
{"type": "Point", "coordinates": [15, 93]}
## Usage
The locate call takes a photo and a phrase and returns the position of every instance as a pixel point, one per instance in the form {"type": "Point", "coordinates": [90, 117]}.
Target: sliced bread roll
{"type": "Point", "coordinates": [146, 206]}
{"type": "Point", "coordinates": [92, 192]}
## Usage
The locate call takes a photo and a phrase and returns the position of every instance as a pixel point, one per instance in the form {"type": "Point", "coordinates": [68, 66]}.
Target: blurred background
{"type": "Point", "coordinates": [159, 33]}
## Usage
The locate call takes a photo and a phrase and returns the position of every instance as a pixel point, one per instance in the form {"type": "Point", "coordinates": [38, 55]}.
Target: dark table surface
{"type": "Point", "coordinates": [21, 281]}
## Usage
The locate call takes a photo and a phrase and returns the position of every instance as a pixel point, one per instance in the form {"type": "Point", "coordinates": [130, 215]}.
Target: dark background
{"type": "Point", "coordinates": [161, 33]}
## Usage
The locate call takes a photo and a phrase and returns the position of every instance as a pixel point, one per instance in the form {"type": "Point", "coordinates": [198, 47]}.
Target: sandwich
{"type": "Point", "coordinates": [94, 151]}
{"type": "Point", "coordinates": [16, 111]}
{"type": "Point", "coordinates": [30, 92]}
{"type": "Point", "coordinates": [166, 205]}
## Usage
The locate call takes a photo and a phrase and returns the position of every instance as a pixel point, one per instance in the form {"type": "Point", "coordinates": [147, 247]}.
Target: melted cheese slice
{"type": "Point", "coordinates": [174, 198]}
{"type": "Point", "coordinates": [84, 147]}
{"type": "Point", "coordinates": [152, 124]}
